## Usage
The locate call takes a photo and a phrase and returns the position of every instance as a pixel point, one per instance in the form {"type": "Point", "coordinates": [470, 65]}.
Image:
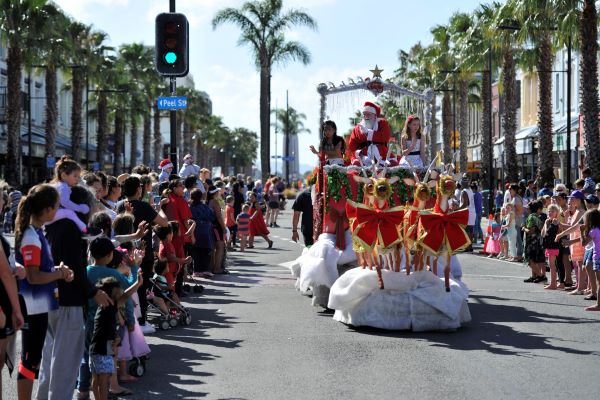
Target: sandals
{"type": "Point", "coordinates": [270, 244]}
{"type": "Point", "coordinates": [123, 392]}
{"type": "Point", "coordinates": [590, 297]}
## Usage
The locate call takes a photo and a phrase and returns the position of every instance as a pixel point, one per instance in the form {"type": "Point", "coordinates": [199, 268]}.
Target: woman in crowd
{"type": "Point", "coordinates": [213, 197]}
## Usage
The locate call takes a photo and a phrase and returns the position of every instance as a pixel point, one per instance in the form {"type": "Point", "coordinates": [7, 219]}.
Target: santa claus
{"type": "Point", "coordinates": [369, 139]}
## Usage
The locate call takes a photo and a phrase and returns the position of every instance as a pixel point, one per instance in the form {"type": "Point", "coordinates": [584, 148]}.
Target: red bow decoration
{"type": "Point", "coordinates": [444, 230]}
{"type": "Point", "coordinates": [338, 217]}
{"type": "Point", "coordinates": [374, 226]}
{"type": "Point", "coordinates": [411, 219]}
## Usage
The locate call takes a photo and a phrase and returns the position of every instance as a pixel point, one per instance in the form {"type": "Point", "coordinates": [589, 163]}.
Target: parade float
{"type": "Point", "coordinates": [383, 226]}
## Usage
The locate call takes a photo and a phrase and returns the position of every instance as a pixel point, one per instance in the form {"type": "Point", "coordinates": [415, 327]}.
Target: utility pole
{"type": "Point", "coordinates": [287, 138]}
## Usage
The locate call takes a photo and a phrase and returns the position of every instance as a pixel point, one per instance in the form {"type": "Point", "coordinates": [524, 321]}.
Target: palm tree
{"type": "Point", "coordinates": [588, 67]}
{"type": "Point", "coordinates": [443, 61]}
{"type": "Point", "coordinates": [420, 75]}
{"type": "Point", "coordinates": [263, 24]}
{"type": "Point", "coordinates": [52, 52]}
{"type": "Point", "coordinates": [537, 20]}
{"type": "Point", "coordinates": [291, 122]}
{"type": "Point", "coordinates": [479, 48]}
{"type": "Point", "coordinates": [503, 28]}
{"type": "Point", "coordinates": [139, 62]}
{"type": "Point", "coordinates": [78, 35]}
{"type": "Point", "coordinates": [459, 26]}
{"type": "Point", "coordinates": [16, 18]}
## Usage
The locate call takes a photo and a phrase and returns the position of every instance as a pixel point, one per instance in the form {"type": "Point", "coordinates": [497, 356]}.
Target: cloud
{"type": "Point", "coordinates": [83, 9]}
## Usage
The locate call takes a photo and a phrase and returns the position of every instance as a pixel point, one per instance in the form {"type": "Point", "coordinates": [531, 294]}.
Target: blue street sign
{"type": "Point", "coordinates": [172, 103]}
{"type": "Point", "coordinates": [290, 158]}
{"type": "Point", "coordinates": [50, 162]}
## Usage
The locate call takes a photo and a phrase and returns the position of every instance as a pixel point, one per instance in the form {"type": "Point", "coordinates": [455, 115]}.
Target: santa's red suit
{"type": "Point", "coordinates": [369, 144]}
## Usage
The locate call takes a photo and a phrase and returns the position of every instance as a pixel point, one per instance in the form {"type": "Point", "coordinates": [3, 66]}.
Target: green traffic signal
{"type": "Point", "coordinates": [170, 57]}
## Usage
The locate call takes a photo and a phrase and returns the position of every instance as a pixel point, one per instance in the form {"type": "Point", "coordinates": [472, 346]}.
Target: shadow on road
{"type": "Point", "coordinates": [487, 330]}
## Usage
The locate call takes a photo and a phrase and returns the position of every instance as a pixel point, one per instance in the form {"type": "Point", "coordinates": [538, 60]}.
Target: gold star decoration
{"type": "Point", "coordinates": [376, 72]}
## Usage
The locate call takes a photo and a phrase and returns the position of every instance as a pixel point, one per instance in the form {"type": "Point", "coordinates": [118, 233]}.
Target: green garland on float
{"type": "Point", "coordinates": [336, 180]}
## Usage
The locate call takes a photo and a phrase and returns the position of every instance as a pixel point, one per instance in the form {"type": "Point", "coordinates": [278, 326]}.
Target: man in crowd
{"type": "Point", "coordinates": [303, 206]}
{"type": "Point", "coordinates": [189, 168]}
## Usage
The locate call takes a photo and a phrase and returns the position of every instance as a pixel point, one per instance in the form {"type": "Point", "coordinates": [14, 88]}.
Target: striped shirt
{"type": "Point", "coordinates": [243, 223]}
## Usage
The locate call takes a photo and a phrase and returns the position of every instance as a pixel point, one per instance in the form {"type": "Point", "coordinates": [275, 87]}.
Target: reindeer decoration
{"type": "Point", "coordinates": [422, 194]}
{"type": "Point", "coordinates": [442, 230]}
{"type": "Point", "coordinates": [374, 225]}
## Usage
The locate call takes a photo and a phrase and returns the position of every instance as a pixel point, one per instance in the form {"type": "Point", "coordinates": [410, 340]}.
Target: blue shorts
{"type": "Point", "coordinates": [588, 256]}
{"type": "Point", "coordinates": [597, 265]}
{"type": "Point", "coordinates": [101, 364]}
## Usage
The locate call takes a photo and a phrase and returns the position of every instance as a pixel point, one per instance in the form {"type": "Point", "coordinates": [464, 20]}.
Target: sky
{"type": "Point", "coordinates": [352, 37]}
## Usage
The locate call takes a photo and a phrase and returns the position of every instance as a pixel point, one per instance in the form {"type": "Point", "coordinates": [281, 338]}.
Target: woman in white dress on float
{"type": "Point", "coordinates": [413, 147]}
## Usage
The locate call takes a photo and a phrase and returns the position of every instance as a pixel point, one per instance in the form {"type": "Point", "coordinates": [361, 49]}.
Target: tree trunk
{"type": "Point", "coordinates": [463, 122]}
{"type": "Point", "coordinates": [13, 116]}
{"type": "Point", "coordinates": [118, 150]}
{"type": "Point", "coordinates": [147, 138]}
{"type": "Point", "coordinates": [76, 110]}
{"type": "Point", "coordinates": [265, 122]}
{"type": "Point", "coordinates": [134, 140]}
{"type": "Point", "coordinates": [102, 129]}
{"type": "Point", "coordinates": [51, 111]}
{"type": "Point", "coordinates": [433, 134]}
{"type": "Point", "coordinates": [157, 137]}
{"type": "Point", "coordinates": [179, 148]}
{"type": "Point", "coordinates": [509, 116]}
{"type": "Point", "coordinates": [545, 171]}
{"type": "Point", "coordinates": [486, 125]}
{"type": "Point", "coordinates": [187, 138]}
{"type": "Point", "coordinates": [447, 127]}
{"type": "Point", "coordinates": [588, 32]}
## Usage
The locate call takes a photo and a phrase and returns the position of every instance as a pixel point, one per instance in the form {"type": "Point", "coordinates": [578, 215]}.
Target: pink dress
{"type": "Point", "coordinates": [493, 244]}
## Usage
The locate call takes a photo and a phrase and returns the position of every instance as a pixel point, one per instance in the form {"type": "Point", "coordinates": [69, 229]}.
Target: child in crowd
{"type": "Point", "coordinates": [511, 232]}
{"type": "Point", "coordinates": [503, 238]}
{"type": "Point", "coordinates": [104, 338]}
{"type": "Point", "coordinates": [532, 246]}
{"type": "Point", "coordinates": [230, 222]}
{"type": "Point", "coordinates": [133, 342]}
{"type": "Point", "coordinates": [257, 222]}
{"type": "Point", "coordinates": [201, 249]}
{"type": "Point", "coordinates": [167, 253]}
{"type": "Point", "coordinates": [551, 246]}
{"type": "Point", "coordinates": [66, 176]}
{"type": "Point", "coordinates": [243, 224]}
{"type": "Point", "coordinates": [39, 290]}
{"type": "Point", "coordinates": [590, 232]}
{"type": "Point", "coordinates": [493, 243]}
{"type": "Point", "coordinates": [162, 290]}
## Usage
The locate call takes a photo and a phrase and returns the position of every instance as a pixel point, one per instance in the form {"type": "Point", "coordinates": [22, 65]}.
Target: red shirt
{"type": "Point", "coordinates": [229, 218]}
{"type": "Point", "coordinates": [166, 248]}
{"type": "Point", "coordinates": [179, 210]}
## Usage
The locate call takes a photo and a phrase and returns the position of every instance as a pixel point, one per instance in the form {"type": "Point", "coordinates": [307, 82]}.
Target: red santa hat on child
{"type": "Point", "coordinates": [165, 164]}
{"type": "Point", "coordinates": [372, 108]}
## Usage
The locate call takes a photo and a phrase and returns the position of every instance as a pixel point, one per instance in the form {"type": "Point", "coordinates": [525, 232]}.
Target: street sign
{"type": "Point", "coordinates": [172, 103]}
{"type": "Point", "coordinates": [50, 162]}
{"type": "Point", "coordinates": [276, 156]}
{"type": "Point", "coordinates": [290, 158]}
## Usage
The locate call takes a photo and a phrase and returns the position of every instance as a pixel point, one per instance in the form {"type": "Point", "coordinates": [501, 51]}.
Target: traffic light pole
{"type": "Point", "coordinates": [173, 113]}
{"type": "Point", "coordinates": [173, 118]}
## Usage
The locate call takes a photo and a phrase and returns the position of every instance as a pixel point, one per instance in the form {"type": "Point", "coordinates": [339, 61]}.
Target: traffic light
{"type": "Point", "coordinates": [171, 44]}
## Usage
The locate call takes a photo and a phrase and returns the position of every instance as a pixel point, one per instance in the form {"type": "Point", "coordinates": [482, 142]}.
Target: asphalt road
{"type": "Point", "coordinates": [255, 337]}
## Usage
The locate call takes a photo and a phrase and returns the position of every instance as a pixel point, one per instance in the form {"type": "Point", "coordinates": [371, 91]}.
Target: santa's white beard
{"type": "Point", "coordinates": [368, 123]}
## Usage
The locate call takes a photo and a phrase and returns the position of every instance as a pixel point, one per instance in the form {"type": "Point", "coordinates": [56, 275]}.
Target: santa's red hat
{"type": "Point", "coordinates": [165, 164]}
{"type": "Point", "coordinates": [372, 108]}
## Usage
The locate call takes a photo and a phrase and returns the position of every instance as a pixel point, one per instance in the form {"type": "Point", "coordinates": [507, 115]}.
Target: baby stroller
{"type": "Point", "coordinates": [177, 314]}
{"type": "Point", "coordinates": [191, 284]}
